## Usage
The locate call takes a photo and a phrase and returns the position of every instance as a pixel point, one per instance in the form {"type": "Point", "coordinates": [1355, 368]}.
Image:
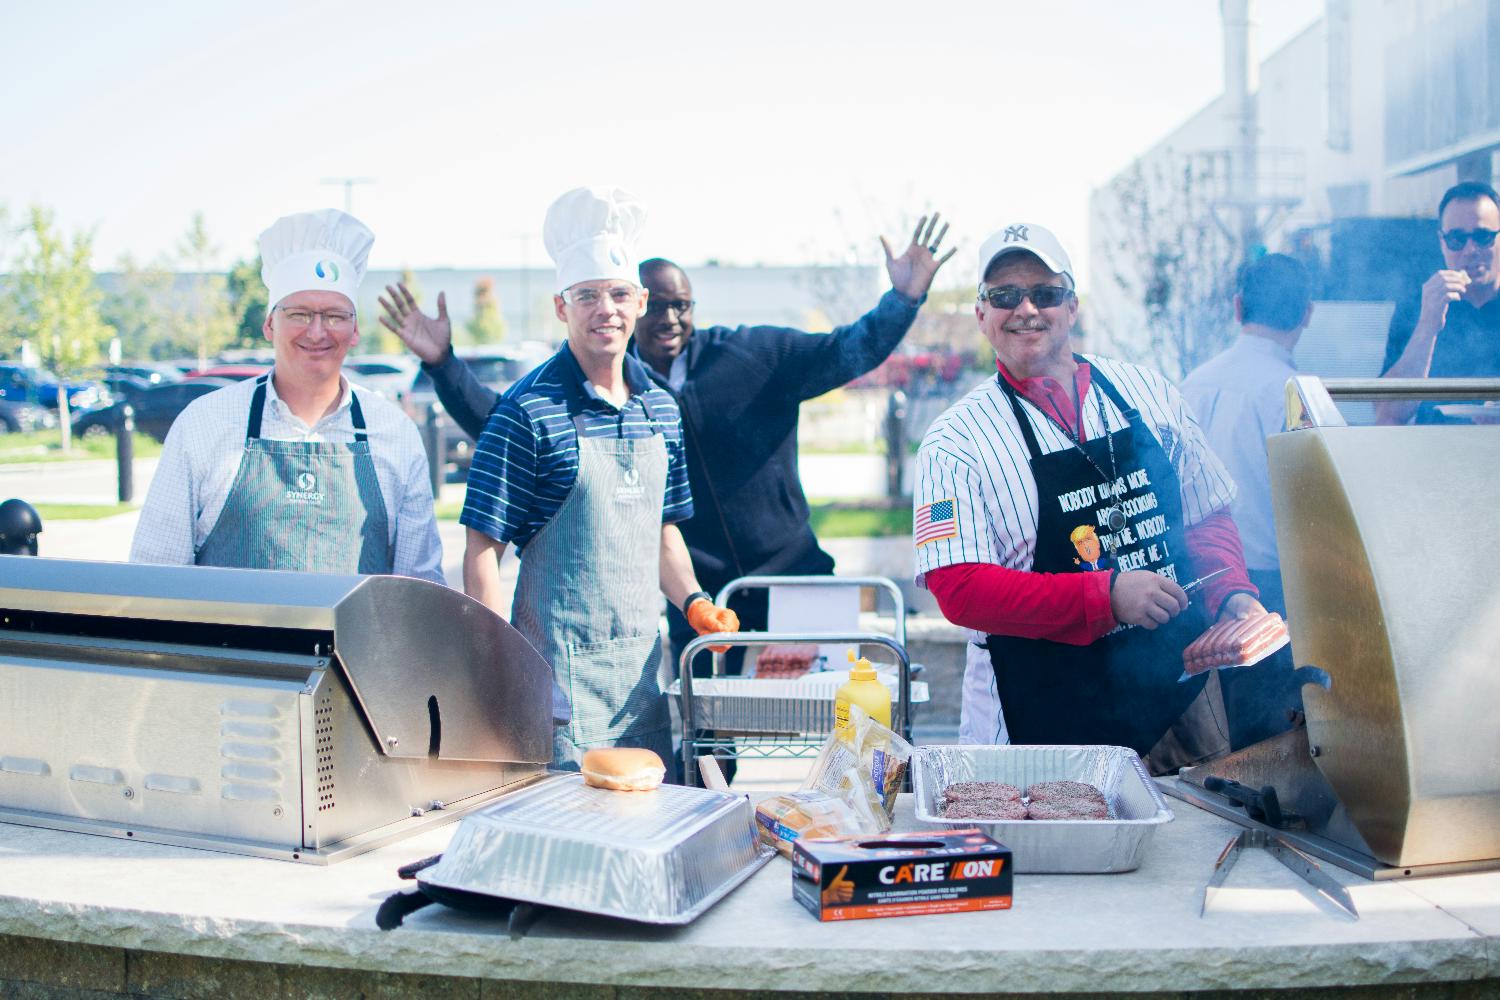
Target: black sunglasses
{"type": "Point", "coordinates": [1041, 296]}
{"type": "Point", "coordinates": [1454, 239]}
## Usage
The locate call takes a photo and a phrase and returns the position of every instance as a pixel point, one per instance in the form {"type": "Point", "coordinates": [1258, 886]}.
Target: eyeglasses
{"type": "Point", "coordinates": [334, 320]}
{"type": "Point", "coordinates": [658, 306]}
{"type": "Point", "coordinates": [1454, 239]}
{"type": "Point", "coordinates": [587, 298]}
{"type": "Point", "coordinates": [1041, 296]}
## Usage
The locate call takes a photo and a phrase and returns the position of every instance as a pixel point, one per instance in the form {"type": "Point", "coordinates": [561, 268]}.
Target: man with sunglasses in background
{"type": "Point", "coordinates": [1054, 443]}
{"type": "Point", "coordinates": [1454, 330]}
{"type": "Point", "coordinates": [297, 469]}
{"type": "Point", "coordinates": [739, 390]}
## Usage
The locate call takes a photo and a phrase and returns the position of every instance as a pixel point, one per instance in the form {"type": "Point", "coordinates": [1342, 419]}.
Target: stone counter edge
{"type": "Point", "coordinates": [671, 964]}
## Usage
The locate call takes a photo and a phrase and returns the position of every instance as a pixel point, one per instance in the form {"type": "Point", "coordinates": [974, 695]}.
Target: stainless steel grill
{"type": "Point", "coordinates": [300, 716]}
{"type": "Point", "coordinates": [1391, 568]}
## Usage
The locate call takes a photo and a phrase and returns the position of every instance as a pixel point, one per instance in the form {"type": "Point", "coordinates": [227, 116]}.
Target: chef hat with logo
{"type": "Point", "coordinates": [591, 234]}
{"type": "Point", "coordinates": [1031, 238]}
{"type": "Point", "coordinates": [321, 251]}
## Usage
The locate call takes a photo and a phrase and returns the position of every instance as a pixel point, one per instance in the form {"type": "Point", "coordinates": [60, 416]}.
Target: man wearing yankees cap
{"type": "Point", "coordinates": [1075, 651]}
{"type": "Point", "coordinates": [297, 469]}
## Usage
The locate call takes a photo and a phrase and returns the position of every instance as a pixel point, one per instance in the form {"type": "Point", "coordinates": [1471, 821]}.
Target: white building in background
{"type": "Point", "coordinates": [1369, 114]}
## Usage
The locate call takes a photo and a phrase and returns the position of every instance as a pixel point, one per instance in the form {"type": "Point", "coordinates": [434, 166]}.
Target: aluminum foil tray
{"type": "Point", "coordinates": [755, 706]}
{"type": "Point", "coordinates": [1136, 807]}
{"type": "Point", "coordinates": [663, 857]}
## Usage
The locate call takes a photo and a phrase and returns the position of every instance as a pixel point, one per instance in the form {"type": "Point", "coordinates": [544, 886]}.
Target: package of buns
{"type": "Point", "coordinates": [865, 768]}
{"type": "Point", "coordinates": [782, 819]}
{"type": "Point", "coordinates": [622, 769]}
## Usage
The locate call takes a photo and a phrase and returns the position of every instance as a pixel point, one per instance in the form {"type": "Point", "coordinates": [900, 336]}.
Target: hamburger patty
{"type": "Point", "coordinates": [1068, 809]}
{"type": "Point", "coordinates": [984, 809]}
{"type": "Point", "coordinates": [970, 790]}
{"type": "Point", "coordinates": [1051, 791]}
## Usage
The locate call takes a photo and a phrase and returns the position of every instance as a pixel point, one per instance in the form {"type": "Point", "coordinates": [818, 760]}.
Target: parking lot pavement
{"type": "Point", "coordinates": [107, 539]}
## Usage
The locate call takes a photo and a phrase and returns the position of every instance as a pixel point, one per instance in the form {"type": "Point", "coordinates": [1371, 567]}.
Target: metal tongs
{"type": "Point", "coordinates": [1288, 855]}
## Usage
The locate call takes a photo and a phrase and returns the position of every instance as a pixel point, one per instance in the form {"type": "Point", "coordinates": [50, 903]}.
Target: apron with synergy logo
{"type": "Point", "coordinates": [302, 505]}
{"type": "Point", "coordinates": [588, 597]}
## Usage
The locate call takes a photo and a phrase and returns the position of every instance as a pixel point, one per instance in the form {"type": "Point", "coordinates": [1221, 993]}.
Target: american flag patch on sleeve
{"type": "Point", "coordinates": [935, 521]}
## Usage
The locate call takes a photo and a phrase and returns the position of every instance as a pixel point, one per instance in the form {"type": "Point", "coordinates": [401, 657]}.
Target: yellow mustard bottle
{"type": "Point", "coordinates": [864, 689]}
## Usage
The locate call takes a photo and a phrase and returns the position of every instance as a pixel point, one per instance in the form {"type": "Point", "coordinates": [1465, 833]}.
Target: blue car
{"type": "Point", "coordinates": [28, 384]}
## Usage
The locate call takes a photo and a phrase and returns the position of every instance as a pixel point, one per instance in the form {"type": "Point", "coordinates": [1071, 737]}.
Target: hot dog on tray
{"type": "Point", "coordinates": [1237, 642]}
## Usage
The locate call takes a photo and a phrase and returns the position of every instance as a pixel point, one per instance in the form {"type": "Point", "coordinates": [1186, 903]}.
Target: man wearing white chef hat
{"type": "Point", "coordinates": [581, 466]}
{"type": "Point", "coordinates": [296, 469]}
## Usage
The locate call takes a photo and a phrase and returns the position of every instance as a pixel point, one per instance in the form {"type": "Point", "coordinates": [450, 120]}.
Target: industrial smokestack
{"type": "Point", "coordinates": [1239, 110]}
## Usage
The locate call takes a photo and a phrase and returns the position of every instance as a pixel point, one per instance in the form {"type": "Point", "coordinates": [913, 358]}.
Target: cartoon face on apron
{"type": "Point", "coordinates": [1097, 511]}
{"type": "Point", "coordinates": [588, 597]}
{"type": "Point", "coordinates": [302, 505]}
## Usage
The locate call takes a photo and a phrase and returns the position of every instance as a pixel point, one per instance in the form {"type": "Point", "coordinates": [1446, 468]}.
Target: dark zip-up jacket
{"type": "Point", "coordinates": [740, 404]}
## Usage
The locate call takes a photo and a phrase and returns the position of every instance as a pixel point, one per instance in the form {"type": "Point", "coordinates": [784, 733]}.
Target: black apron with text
{"type": "Point", "coordinates": [1122, 689]}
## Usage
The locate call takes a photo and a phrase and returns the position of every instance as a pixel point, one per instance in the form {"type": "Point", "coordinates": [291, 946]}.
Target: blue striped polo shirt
{"type": "Point", "coordinates": [526, 461]}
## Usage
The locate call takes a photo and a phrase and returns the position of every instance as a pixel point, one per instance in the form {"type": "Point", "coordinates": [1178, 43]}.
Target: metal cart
{"type": "Point", "coordinates": [761, 718]}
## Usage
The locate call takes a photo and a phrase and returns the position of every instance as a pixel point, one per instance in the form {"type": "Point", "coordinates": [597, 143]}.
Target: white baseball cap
{"type": "Point", "coordinates": [324, 251]}
{"type": "Point", "coordinates": [1031, 238]}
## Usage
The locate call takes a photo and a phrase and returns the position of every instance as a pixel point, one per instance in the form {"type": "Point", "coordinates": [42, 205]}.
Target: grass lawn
{"type": "Point", "coordinates": [830, 519]}
{"type": "Point", "coordinates": [82, 511]}
{"type": "Point", "coordinates": [46, 446]}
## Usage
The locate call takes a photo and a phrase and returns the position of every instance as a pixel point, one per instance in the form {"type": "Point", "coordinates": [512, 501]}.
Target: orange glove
{"type": "Point", "coordinates": [706, 617]}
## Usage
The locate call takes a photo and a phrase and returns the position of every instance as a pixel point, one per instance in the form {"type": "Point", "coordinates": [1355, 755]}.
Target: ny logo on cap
{"type": "Point", "coordinates": [305, 481]}
{"type": "Point", "coordinates": [326, 269]}
{"type": "Point", "coordinates": [1016, 233]}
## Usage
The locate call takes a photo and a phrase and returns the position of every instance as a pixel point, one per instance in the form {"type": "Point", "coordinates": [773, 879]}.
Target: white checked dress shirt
{"type": "Point", "coordinates": [202, 456]}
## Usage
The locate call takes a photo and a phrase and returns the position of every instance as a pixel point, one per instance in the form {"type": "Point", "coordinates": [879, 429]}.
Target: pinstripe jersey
{"type": "Point", "coordinates": [975, 456]}
{"type": "Point", "coordinates": [526, 461]}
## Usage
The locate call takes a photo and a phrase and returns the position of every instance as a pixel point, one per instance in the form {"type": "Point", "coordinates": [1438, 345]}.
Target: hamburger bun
{"type": "Point", "coordinates": [625, 769]}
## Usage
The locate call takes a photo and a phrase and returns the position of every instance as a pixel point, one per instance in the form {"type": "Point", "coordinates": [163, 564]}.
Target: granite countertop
{"type": "Point", "coordinates": [1066, 933]}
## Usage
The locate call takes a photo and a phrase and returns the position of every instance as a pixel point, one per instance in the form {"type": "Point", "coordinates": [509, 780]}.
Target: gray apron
{"type": "Point", "coordinates": [301, 505]}
{"type": "Point", "coordinates": [588, 597]}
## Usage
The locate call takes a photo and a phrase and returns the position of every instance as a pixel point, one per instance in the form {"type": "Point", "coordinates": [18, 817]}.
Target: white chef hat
{"type": "Point", "coordinates": [591, 233]}
{"type": "Point", "coordinates": [321, 251]}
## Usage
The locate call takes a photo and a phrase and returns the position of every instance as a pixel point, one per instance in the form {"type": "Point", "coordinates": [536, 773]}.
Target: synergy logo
{"type": "Point", "coordinates": [327, 269]}
{"type": "Point", "coordinates": [306, 491]}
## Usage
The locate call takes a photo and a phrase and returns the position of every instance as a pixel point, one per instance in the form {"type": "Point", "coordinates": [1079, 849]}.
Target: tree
{"type": "Point", "coordinates": [10, 334]}
{"type": "Point", "coordinates": [140, 308]}
{"type": "Point", "coordinates": [247, 303]}
{"type": "Point", "coordinates": [1171, 261]}
{"type": "Point", "coordinates": [56, 303]}
{"type": "Point", "coordinates": [488, 325]}
{"type": "Point", "coordinates": [206, 306]}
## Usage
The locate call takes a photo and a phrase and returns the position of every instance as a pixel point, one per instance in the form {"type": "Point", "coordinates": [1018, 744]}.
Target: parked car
{"type": "Point", "coordinates": [155, 408]}
{"type": "Point", "coordinates": [27, 383]}
{"type": "Point", "coordinates": [495, 367]}
{"type": "Point", "coordinates": [235, 373]}
{"type": "Point", "coordinates": [24, 416]}
{"type": "Point", "coordinates": [388, 374]}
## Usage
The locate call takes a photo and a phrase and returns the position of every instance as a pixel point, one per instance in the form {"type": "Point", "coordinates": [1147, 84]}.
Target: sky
{"type": "Point", "coordinates": [775, 133]}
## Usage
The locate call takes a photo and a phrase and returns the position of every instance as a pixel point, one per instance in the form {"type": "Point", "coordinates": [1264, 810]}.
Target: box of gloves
{"type": "Point", "coordinates": [901, 874]}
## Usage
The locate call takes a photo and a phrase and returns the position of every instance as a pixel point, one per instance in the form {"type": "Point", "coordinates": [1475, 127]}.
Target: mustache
{"type": "Point", "coordinates": [1030, 326]}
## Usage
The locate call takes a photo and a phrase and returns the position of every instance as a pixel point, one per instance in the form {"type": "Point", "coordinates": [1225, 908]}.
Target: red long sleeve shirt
{"type": "Point", "coordinates": [1072, 608]}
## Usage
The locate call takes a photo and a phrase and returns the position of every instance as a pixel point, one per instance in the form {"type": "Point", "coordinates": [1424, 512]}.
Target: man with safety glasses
{"type": "Point", "coordinates": [1074, 651]}
{"type": "Point", "coordinates": [740, 390]}
{"type": "Point", "coordinates": [580, 466]}
{"type": "Point", "coordinates": [1455, 329]}
{"type": "Point", "coordinates": [297, 469]}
